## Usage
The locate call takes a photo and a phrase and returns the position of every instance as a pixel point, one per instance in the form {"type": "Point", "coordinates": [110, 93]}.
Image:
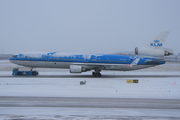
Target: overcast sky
{"type": "Point", "coordinates": [86, 26]}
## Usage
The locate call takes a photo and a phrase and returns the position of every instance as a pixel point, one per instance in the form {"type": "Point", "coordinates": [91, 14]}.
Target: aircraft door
{"type": "Point", "coordinates": [21, 56]}
{"type": "Point", "coordinates": [86, 57]}
{"type": "Point", "coordinates": [45, 57]}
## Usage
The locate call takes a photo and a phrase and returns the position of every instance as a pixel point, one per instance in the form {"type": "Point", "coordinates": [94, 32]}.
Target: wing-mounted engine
{"type": "Point", "coordinates": [77, 69]}
{"type": "Point", "coordinates": [160, 52]}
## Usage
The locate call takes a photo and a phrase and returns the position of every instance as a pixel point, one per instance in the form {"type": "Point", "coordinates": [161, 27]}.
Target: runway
{"type": "Point", "coordinates": [57, 94]}
{"type": "Point", "coordinates": [77, 102]}
{"type": "Point", "coordinates": [90, 76]}
{"type": "Point", "coordinates": [55, 108]}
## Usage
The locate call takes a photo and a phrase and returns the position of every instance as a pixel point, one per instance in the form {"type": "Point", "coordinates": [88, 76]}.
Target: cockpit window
{"type": "Point", "coordinates": [15, 56]}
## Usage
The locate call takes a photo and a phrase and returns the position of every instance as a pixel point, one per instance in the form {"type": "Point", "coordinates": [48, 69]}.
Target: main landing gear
{"type": "Point", "coordinates": [97, 73]}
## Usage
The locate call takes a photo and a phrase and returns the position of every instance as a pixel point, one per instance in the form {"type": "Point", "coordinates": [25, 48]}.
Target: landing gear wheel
{"type": "Point", "coordinates": [96, 74]}
{"type": "Point", "coordinates": [99, 74]}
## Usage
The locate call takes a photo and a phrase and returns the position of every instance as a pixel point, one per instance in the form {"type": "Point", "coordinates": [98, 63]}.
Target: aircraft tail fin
{"type": "Point", "coordinates": [159, 40]}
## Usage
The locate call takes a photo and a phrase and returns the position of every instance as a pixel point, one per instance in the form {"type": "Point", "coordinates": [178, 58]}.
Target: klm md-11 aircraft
{"type": "Point", "coordinates": [148, 56]}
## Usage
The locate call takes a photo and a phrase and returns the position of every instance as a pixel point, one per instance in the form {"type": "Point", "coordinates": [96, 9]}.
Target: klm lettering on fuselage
{"type": "Point", "coordinates": [156, 43]}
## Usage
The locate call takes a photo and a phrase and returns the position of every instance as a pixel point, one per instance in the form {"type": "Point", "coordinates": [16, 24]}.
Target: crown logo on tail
{"type": "Point", "coordinates": [156, 41]}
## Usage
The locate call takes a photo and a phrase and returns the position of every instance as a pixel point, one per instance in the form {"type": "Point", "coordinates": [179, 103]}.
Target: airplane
{"type": "Point", "coordinates": [145, 57]}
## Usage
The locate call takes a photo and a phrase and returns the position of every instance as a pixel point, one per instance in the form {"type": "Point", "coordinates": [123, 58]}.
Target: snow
{"type": "Point", "coordinates": [4, 60]}
{"type": "Point", "coordinates": [105, 87]}
{"type": "Point", "coordinates": [158, 88]}
{"type": "Point", "coordinates": [86, 113]}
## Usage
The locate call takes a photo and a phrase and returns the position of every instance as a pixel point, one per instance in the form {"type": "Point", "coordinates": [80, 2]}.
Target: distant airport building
{"type": "Point", "coordinates": [5, 56]}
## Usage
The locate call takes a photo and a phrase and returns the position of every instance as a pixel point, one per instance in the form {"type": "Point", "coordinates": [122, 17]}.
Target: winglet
{"type": "Point", "coordinates": [135, 62]}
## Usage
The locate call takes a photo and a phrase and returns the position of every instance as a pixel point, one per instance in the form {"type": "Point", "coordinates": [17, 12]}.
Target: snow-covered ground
{"type": "Point", "coordinates": [115, 87]}
{"type": "Point", "coordinates": [158, 88]}
{"type": "Point", "coordinates": [153, 88]}
{"type": "Point", "coordinates": [48, 113]}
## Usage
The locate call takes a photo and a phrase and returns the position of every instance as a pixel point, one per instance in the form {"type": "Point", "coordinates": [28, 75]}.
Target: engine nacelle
{"type": "Point", "coordinates": [151, 52]}
{"type": "Point", "coordinates": [77, 69]}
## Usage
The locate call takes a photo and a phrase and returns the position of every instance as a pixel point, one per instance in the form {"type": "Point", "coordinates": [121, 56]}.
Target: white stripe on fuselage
{"type": "Point", "coordinates": [66, 65]}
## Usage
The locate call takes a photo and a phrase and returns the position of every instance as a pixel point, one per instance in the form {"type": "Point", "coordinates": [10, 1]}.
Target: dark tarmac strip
{"type": "Point", "coordinates": [90, 76]}
{"type": "Point", "coordinates": [75, 102]}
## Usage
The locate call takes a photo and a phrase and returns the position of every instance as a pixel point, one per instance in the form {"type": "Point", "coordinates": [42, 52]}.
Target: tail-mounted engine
{"type": "Point", "coordinates": [153, 52]}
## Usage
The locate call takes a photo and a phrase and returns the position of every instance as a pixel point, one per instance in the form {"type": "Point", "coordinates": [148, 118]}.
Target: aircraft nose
{"type": "Point", "coordinates": [11, 59]}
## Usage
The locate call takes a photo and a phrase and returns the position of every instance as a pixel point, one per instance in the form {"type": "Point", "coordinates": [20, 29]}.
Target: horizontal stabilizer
{"type": "Point", "coordinates": [154, 61]}
{"type": "Point", "coordinates": [168, 51]}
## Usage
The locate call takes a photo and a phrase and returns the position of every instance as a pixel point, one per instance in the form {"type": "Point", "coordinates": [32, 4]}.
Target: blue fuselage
{"type": "Point", "coordinates": [62, 60]}
{"type": "Point", "coordinates": [83, 58]}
